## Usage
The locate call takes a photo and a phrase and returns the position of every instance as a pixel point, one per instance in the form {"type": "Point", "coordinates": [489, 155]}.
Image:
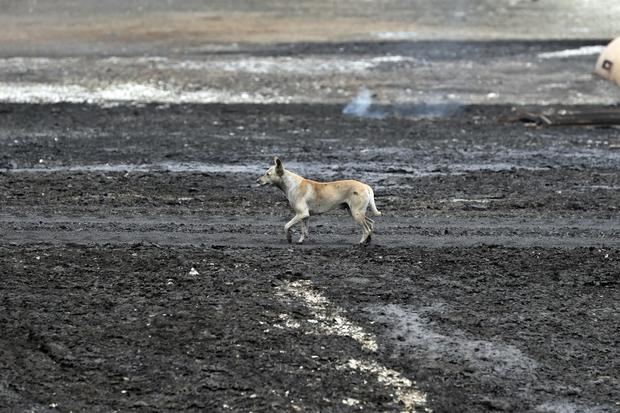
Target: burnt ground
{"type": "Point", "coordinates": [491, 283]}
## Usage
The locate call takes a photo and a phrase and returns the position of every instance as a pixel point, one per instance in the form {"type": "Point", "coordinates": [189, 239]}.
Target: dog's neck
{"type": "Point", "coordinates": [289, 182]}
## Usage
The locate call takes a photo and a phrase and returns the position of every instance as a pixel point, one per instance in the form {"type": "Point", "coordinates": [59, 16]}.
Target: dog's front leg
{"type": "Point", "coordinates": [297, 218]}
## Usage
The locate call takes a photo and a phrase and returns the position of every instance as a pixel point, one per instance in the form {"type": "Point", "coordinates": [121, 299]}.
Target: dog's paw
{"type": "Point", "coordinates": [364, 241]}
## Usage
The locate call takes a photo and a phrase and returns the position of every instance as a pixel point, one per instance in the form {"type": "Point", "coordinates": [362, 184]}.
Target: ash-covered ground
{"type": "Point", "coordinates": [143, 270]}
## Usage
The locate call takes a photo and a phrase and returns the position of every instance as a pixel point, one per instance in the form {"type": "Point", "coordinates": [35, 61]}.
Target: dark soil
{"type": "Point", "coordinates": [492, 281]}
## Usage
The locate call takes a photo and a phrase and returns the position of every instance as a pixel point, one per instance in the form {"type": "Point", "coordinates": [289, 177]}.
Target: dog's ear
{"type": "Point", "coordinates": [279, 166]}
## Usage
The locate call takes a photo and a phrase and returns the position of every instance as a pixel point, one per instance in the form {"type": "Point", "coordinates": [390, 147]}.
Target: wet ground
{"type": "Point", "coordinates": [143, 270]}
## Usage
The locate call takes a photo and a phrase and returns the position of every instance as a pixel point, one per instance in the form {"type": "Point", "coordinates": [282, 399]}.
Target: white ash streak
{"type": "Point", "coordinates": [581, 51]}
{"type": "Point", "coordinates": [84, 79]}
{"type": "Point", "coordinates": [126, 92]}
{"type": "Point", "coordinates": [404, 388]}
{"type": "Point", "coordinates": [328, 319]}
{"type": "Point", "coordinates": [401, 35]}
{"type": "Point", "coordinates": [250, 64]}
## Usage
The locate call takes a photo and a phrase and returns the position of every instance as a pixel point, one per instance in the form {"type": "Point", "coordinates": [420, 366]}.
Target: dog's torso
{"type": "Point", "coordinates": [321, 197]}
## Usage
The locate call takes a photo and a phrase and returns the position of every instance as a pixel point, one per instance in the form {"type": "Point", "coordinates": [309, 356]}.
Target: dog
{"type": "Point", "coordinates": [313, 198]}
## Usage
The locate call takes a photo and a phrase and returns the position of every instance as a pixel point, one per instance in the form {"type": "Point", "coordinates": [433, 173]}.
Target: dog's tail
{"type": "Point", "coordinates": [371, 202]}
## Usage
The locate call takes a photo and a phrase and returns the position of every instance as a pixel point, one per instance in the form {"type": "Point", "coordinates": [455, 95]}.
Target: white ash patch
{"type": "Point", "coordinates": [349, 401]}
{"type": "Point", "coordinates": [328, 319]}
{"type": "Point", "coordinates": [400, 35]}
{"type": "Point", "coordinates": [467, 200]}
{"type": "Point", "coordinates": [404, 388]}
{"type": "Point", "coordinates": [129, 92]}
{"type": "Point", "coordinates": [237, 64]}
{"type": "Point", "coordinates": [581, 51]}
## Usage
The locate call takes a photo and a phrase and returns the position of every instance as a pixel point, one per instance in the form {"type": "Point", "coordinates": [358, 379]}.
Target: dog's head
{"type": "Point", "coordinates": [273, 176]}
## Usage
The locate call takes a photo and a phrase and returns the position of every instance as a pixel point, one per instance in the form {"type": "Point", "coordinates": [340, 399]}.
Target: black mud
{"type": "Point", "coordinates": [142, 269]}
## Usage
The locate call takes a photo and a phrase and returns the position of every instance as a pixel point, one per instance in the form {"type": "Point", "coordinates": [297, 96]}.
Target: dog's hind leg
{"type": "Point", "coordinates": [304, 230]}
{"type": "Point", "coordinates": [370, 227]}
{"type": "Point", "coordinates": [360, 218]}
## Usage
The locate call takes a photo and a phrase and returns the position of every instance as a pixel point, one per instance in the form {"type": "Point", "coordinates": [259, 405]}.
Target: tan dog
{"type": "Point", "coordinates": [312, 198]}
